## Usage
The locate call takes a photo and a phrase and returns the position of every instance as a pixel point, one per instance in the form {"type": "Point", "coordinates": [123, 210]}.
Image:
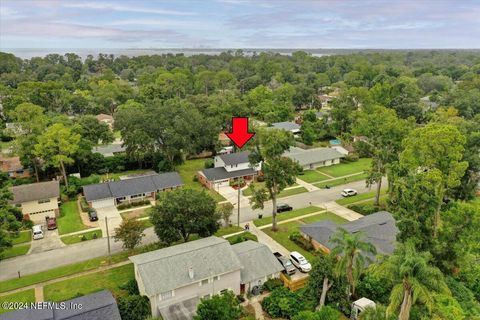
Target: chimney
{"type": "Point", "coordinates": [190, 272]}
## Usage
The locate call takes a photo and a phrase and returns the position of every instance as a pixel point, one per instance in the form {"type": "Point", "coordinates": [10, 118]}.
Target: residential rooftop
{"type": "Point", "coordinates": [235, 158]}
{"type": "Point", "coordinates": [308, 156]}
{"type": "Point", "coordinates": [35, 191]}
{"type": "Point", "coordinates": [288, 126]}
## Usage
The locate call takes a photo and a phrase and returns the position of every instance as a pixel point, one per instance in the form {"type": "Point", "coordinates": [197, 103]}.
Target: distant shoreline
{"type": "Point", "coordinates": [27, 53]}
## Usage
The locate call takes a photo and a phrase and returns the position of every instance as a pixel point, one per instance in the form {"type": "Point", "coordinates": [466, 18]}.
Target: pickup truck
{"type": "Point", "coordinates": [288, 266]}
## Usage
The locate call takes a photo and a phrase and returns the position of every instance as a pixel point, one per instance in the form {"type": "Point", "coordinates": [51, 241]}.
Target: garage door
{"type": "Point", "coordinates": [103, 203]}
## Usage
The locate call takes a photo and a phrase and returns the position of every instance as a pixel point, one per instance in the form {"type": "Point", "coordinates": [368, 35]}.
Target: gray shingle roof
{"type": "Point", "coordinates": [110, 149]}
{"type": "Point", "coordinates": [143, 184]}
{"type": "Point", "coordinates": [96, 306]}
{"type": "Point", "coordinates": [378, 228]}
{"type": "Point", "coordinates": [35, 191]}
{"type": "Point", "coordinates": [257, 260]}
{"type": "Point", "coordinates": [289, 126]}
{"type": "Point", "coordinates": [310, 156]}
{"type": "Point", "coordinates": [219, 173]}
{"type": "Point", "coordinates": [235, 158]}
{"type": "Point", "coordinates": [167, 269]}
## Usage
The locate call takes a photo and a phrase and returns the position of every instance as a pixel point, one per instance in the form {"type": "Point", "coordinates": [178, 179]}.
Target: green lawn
{"type": "Point", "coordinates": [69, 220]}
{"type": "Point", "coordinates": [22, 296]}
{"type": "Point", "coordinates": [89, 235]}
{"type": "Point", "coordinates": [312, 176]}
{"type": "Point", "coordinates": [188, 170]}
{"type": "Point", "coordinates": [109, 279]}
{"type": "Point", "coordinates": [287, 215]}
{"type": "Point", "coordinates": [291, 192]}
{"type": "Point", "coordinates": [228, 230]}
{"type": "Point", "coordinates": [258, 185]}
{"type": "Point", "coordinates": [344, 169]}
{"type": "Point", "coordinates": [23, 236]}
{"type": "Point", "coordinates": [14, 251]}
{"type": "Point", "coordinates": [281, 236]}
{"type": "Point", "coordinates": [360, 197]}
{"type": "Point", "coordinates": [340, 181]}
{"type": "Point", "coordinates": [325, 216]}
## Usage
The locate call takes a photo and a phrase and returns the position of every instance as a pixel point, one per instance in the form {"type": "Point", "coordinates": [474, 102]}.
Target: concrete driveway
{"type": "Point", "coordinates": [114, 219]}
{"type": "Point", "coordinates": [231, 195]}
{"type": "Point", "coordinates": [51, 240]}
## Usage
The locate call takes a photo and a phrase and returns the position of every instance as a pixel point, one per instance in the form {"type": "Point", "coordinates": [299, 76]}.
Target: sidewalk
{"type": "Point", "coordinates": [342, 211]}
{"type": "Point", "coordinates": [306, 185]}
{"type": "Point", "coordinates": [265, 239]}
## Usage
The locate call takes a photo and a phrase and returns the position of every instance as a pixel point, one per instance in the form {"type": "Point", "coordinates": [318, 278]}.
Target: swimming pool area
{"type": "Point", "coordinates": [335, 142]}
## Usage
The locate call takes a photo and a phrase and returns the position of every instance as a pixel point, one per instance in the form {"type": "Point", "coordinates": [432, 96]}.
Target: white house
{"type": "Point", "coordinates": [314, 158]}
{"type": "Point", "coordinates": [228, 167]}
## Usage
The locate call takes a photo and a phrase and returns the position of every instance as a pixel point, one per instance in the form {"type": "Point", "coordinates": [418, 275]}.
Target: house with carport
{"type": "Point", "coordinates": [129, 190]}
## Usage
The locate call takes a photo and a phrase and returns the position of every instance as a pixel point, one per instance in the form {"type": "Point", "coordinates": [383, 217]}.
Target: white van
{"type": "Point", "coordinates": [37, 232]}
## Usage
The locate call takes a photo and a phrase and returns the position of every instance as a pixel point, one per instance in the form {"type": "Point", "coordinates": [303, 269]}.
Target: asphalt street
{"type": "Point", "coordinates": [82, 251]}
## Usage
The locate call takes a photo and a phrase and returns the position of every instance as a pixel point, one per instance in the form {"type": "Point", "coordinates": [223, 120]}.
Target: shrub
{"type": "Point", "coordinates": [327, 313]}
{"type": "Point", "coordinates": [195, 178]}
{"type": "Point", "coordinates": [272, 284]}
{"type": "Point", "coordinates": [365, 209]}
{"type": "Point", "coordinates": [28, 224]}
{"type": "Point", "coordinates": [83, 238]}
{"type": "Point", "coordinates": [94, 236]}
{"type": "Point", "coordinates": [301, 241]}
{"type": "Point", "coordinates": [130, 286]}
{"type": "Point", "coordinates": [134, 307]}
{"type": "Point", "coordinates": [283, 303]}
{"type": "Point", "coordinates": [83, 204]}
{"type": "Point", "coordinates": [208, 163]}
{"type": "Point", "coordinates": [242, 237]}
{"type": "Point", "coordinates": [260, 178]}
{"type": "Point", "coordinates": [352, 157]}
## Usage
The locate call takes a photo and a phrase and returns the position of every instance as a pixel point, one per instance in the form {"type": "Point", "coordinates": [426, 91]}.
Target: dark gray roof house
{"type": "Point", "coordinates": [133, 186]}
{"type": "Point", "coordinates": [35, 191]}
{"type": "Point", "coordinates": [235, 158]}
{"type": "Point", "coordinates": [378, 229]}
{"type": "Point", "coordinates": [96, 306]}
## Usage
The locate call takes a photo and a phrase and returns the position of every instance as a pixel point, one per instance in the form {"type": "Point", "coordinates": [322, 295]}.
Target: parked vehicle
{"type": "Point", "coordinates": [37, 232]}
{"type": "Point", "coordinates": [361, 305]}
{"type": "Point", "coordinates": [287, 264]}
{"type": "Point", "coordinates": [300, 262]}
{"type": "Point", "coordinates": [349, 192]}
{"type": "Point", "coordinates": [282, 207]}
{"type": "Point", "coordinates": [92, 214]}
{"type": "Point", "coordinates": [51, 223]}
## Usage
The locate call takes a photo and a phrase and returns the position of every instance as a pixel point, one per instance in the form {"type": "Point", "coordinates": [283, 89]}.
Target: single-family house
{"type": "Point", "coordinates": [379, 229]}
{"type": "Point", "coordinates": [105, 118]}
{"type": "Point", "coordinates": [314, 158]}
{"type": "Point", "coordinates": [96, 306]}
{"type": "Point", "coordinates": [177, 277]}
{"type": "Point", "coordinates": [38, 200]}
{"type": "Point", "coordinates": [227, 168]}
{"type": "Point", "coordinates": [292, 127]}
{"type": "Point", "coordinates": [259, 264]}
{"type": "Point", "coordinates": [112, 193]}
{"type": "Point", "coordinates": [14, 168]}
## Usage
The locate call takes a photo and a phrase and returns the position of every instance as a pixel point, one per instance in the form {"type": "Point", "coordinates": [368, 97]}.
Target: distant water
{"type": "Point", "coordinates": [27, 53]}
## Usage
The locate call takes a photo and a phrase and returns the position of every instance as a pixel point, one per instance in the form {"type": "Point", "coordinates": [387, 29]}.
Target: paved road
{"type": "Point", "coordinates": [38, 262]}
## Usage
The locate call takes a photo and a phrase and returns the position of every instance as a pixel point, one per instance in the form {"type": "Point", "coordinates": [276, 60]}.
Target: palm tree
{"type": "Point", "coordinates": [377, 313]}
{"type": "Point", "coordinates": [414, 278]}
{"type": "Point", "coordinates": [351, 250]}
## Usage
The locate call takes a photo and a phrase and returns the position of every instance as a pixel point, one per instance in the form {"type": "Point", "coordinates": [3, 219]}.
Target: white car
{"type": "Point", "coordinates": [300, 262]}
{"type": "Point", "coordinates": [349, 192]}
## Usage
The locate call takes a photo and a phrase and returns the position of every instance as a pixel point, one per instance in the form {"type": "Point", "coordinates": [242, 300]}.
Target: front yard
{"type": "Point", "coordinates": [109, 279]}
{"type": "Point", "coordinates": [23, 236]}
{"type": "Point", "coordinates": [340, 181]}
{"type": "Point", "coordinates": [311, 176]}
{"type": "Point", "coordinates": [346, 168]}
{"type": "Point", "coordinates": [18, 250]}
{"type": "Point", "coordinates": [286, 229]}
{"type": "Point", "coordinates": [69, 220]}
{"type": "Point", "coordinates": [188, 170]}
{"type": "Point", "coordinates": [89, 235]}
{"type": "Point", "coordinates": [22, 296]}
{"type": "Point", "coordinates": [360, 197]}
{"type": "Point", "coordinates": [286, 215]}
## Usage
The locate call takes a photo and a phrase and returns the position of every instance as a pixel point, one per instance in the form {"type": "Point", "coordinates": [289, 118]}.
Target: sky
{"type": "Point", "coordinates": [354, 24]}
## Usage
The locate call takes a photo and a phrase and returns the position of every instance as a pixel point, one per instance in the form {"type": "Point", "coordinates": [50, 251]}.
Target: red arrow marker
{"type": "Point", "coordinates": [239, 134]}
